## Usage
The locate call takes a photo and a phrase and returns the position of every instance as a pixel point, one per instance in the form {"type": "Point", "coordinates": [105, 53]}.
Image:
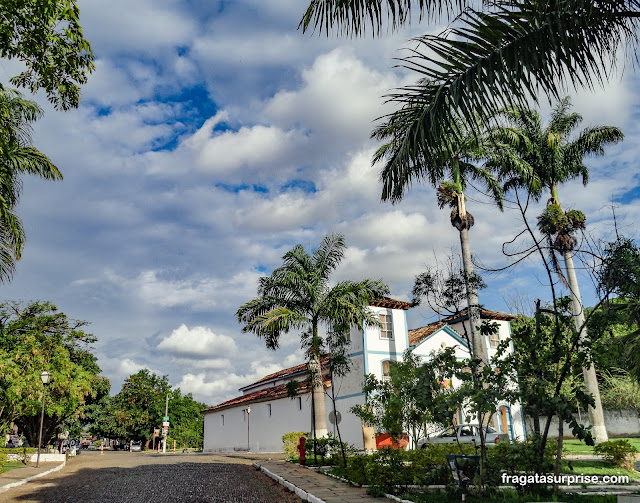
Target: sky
{"type": "Point", "coordinates": [212, 138]}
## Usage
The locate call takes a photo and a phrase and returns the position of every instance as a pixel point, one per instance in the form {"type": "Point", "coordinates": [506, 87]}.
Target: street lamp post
{"type": "Point", "coordinates": [45, 377]}
{"type": "Point", "coordinates": [248, 424]}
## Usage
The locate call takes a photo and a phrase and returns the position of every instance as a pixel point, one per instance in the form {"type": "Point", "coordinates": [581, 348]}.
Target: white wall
{"type": "Point", "coordinates": [265, 432]}
{"type": "Point", "coordinates": [619, 423]}
{"type": "Point", "coordinates": [378, 349]}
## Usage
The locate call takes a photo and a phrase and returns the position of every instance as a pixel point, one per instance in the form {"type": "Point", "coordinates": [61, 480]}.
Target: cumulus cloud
{"type": "Point", "coordinates": [198, 343]}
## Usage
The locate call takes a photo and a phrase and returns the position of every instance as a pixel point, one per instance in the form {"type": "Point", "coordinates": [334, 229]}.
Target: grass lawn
{"type": "Point", "coordinates": [508, 497]}
{"type": "Point", "coordinates": [578, 447]}
{"type": "Point", "coordinates": [600, 468]}
{"type": "Point", "coordinates": [11, 465]}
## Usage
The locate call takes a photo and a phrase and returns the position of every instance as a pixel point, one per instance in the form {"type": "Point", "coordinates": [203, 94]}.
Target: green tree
{"type": "Point", "coordinates": [37, 337]}
{"type": "Point", "coordinates": [17, 158]}
{"type": "Point", "coordinates": [298, 296]}
{"type": "Point", "coordinates": [186, 420]}
{"type": "Point", "coordinates": [102, 418]}
{"type": "Point", "coordinates": [496, 54]}
{"type": "Point", "coordinates": [140, 404]}
{"type": "Point", "coordinates": [552, 159]}
{"type": "Point", "coordinates": [392, 405]}
{"type": "Point", "coordinates": [405, 162]}
{"type": "Point", "coordinates": [619, 277]}
{"type": "Point", "coordinates": [47, 37]}
{"type": "Point", "coordinates": [549, 355]}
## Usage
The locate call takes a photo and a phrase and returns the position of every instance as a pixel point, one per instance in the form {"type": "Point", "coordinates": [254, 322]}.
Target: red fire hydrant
{"type": "Point", "coordinates": [302, 450]}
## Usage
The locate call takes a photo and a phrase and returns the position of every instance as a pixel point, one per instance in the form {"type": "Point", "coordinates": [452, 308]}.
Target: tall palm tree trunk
{"type": "Point", "coordinates": [596, 415]}
{"type": "Point", "coordinates": [320, 416]}
{"type": "Point", "coordinates": [479, 349]}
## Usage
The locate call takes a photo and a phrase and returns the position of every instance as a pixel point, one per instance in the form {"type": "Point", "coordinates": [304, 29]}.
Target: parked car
{"type": "Point", "coordinates": [136, 446]}
{"type": "Point", "coordinates": [465, 433]}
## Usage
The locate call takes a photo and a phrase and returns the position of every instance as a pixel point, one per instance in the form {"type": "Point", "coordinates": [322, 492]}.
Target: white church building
{"type": "Point", "coordinates": [258, 418]}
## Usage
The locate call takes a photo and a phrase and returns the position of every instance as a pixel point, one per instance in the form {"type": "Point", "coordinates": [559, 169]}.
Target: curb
{"type": "Point", "coordinates": [37, 475]}
{"type": "Point", "coordinates": [302, 494]}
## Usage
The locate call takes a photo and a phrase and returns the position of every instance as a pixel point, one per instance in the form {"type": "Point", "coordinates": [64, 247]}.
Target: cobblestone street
{"type": "Point", "coordinates": [141, 477]}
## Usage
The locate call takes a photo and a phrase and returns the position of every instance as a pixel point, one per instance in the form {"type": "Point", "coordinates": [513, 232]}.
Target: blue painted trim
{"type": "Point", "coordinates": [395, 353]}
{"type": "Point", "coordinates": [357, 353]}
{"type": "Point", "coordinates": [349, 396]}
{"type": "Point", "coordinates": [450, 332]}
{"type": "Point", "coordinates": [364, 350]}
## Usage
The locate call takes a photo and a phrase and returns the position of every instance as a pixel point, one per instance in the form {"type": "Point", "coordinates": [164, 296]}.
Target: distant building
{"type": "Point", "coordinates": [259, 417]}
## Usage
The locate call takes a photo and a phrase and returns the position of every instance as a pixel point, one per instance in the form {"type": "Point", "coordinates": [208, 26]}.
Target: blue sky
{"type": "Point", "coordinates": [213, 137]}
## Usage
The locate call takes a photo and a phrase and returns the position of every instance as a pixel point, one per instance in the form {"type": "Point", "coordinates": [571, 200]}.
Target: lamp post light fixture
{"type": "Point", "coordinates": [45, 377]}
{"type": "Point", "coordinates": [248, 409]}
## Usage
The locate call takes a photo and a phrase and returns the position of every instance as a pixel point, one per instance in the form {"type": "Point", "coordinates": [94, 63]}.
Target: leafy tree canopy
{"type": "Point", "coordinates": [37, 337]}
{"type": "Point", "coordinates": [139, 407]}
{"type": "Point", "coordinates": [47, 37]}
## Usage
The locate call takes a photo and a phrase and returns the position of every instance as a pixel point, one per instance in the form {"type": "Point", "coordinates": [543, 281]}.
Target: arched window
{"type": "Point", "coordinates": [386, 370]}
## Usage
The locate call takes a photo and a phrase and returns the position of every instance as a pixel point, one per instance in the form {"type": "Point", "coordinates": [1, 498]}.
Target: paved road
{"type": "Point", "coordinates": [140, 477]}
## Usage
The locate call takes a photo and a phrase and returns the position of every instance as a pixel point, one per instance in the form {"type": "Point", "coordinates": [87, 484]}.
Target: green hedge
{"type": "Point", "coordinates": [391, 471]}
{"type": "Point", "coordinates": [23, 454]}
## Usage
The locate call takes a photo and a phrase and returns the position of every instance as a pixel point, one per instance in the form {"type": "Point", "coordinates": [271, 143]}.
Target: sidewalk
{"type": "Point", "coordinates": [313, 486]}
{"type": "Point", "coordinates": [19, 476]}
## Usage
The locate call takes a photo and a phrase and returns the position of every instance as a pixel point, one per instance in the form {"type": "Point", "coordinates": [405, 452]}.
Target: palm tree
{"type": "Point", "coordinates": [554, 159]}
{"type": "Point", "coordinates": [405, 161]}
{"type": "Point", "coordinates": [496, 54]}
{"type": "Point", "coordinates": [17, 157]}
{"type": "Point", "coordinates": [297, 296]}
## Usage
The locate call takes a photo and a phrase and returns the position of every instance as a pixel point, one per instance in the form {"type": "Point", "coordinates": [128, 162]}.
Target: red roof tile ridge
{"type": "Point", "coordinates": [281, 374]}
{"type": "Point", "coordinates": [391, 303]}
{"type": "Point", "coordinates": [262, 395]}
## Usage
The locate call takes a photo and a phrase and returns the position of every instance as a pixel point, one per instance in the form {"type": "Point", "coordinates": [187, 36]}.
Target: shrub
{"type": "Point", "coordinates": [392, 470]}
{"type": "Point", "coordinates": [517, 457]}
{"type": "Point", "coordinates": [617, 452]}
{"type": "Point", "coordinates": [328, 449]}
{"type": "Point", "coordinates": [355, 471]}
{"type": "Point", "coordinates": [290, 442]}
{"type": "Point", "coordinates": [387, 472]}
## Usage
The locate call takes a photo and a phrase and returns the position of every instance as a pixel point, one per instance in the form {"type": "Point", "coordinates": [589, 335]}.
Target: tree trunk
{"type": "Point", "coordinates": [320, 416]}
{"type": "Point", "coordinates": [479, 348]}
{"type": "Point", "coordinates": [596, 416]}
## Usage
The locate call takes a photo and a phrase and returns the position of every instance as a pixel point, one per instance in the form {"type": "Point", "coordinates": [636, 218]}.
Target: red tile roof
{"type": "Point", "coordinates": [262, 395]}
{"type": "Point", "coordinates": [417, 335]}
{"type": "Point", "coordinates": [282, 374]}
{"type": "Point", "coordinates": [391, 303]}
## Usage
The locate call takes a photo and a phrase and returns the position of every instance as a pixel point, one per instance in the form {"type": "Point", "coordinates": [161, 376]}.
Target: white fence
{"type": "Point", "coordinates": [619, 423]}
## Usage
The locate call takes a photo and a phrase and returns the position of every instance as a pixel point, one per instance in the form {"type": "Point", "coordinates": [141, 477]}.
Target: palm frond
{"type": "Point", "coordinates": [346, 304]}
{"type": "Point", "coordinates": [592, 141]}
{"type": "Point", "coordinates": [328, 255]}
{"type": "Point", "coordinates": [508, 55]}
{"type": "Point", "coordinates": [353, 17]}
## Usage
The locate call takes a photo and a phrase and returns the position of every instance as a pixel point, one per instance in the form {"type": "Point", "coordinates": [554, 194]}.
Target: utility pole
{"type": "Point", "coordinates": [165, 425]}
